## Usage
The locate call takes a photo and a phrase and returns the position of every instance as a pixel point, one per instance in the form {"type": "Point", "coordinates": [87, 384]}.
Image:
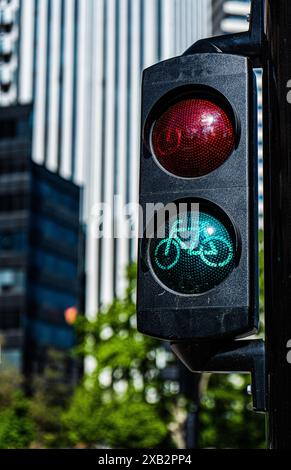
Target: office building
{"type": "Point", "coordinates": [218, 16]}
{"type": "Point", "coordinates": [235, 20]}
{"type": "Point", "coordinates": [235, 15]}
{"type": "Point", "coordinates": [80, 63]}
{"type": "Point", "coordinates": [9, 41]}
{"type": "Point", "coordinates": [41, 251]}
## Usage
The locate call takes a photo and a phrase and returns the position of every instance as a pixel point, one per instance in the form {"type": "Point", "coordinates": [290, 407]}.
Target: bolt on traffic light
{"type": "Point", "coordinates": [197, 276]}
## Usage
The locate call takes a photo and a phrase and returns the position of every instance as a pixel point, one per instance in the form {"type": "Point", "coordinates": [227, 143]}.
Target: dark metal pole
{"type": "Point", "coordinates": [277, 167]}
{"type": "Point", "coordinates": [190, 388]}
{"type": "Point", "coordinates": [192, 427]}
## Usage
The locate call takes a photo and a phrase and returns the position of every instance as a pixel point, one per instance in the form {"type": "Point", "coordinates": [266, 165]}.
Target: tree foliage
{"type": "Point", "coordinates": [226, 416]}
{"type": "Point", "coordinates": [51, 393]}
{"type": "Point", "coordinates": [124, 402]}
{"type": "Point", "coordinates": [17, 430]}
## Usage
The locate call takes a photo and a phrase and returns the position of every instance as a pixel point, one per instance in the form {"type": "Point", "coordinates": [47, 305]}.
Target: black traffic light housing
{"type": "Point", "coordinates": [204, 328]}
{"type": "Point", "coordinates": [229, 309]}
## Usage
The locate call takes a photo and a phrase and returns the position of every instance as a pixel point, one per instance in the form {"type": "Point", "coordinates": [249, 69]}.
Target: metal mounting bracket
{"type": "Point", "coordinates": [229, 357]}
{"type": "Point", "coordinates": [251, 43]}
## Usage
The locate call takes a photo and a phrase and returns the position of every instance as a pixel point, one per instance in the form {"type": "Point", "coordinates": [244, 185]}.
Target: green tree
{"type": "Point", "coordinates": [226, 416]}
{"type": "Point", "coordinates": [51, 394]}
{"type": "Point", "coordinates": [123, 403]}
{"type": "Point", "coordinates": [17, 430]}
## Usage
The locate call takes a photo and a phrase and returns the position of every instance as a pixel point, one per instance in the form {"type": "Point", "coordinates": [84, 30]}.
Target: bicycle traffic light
{"type": "Point", "coordinates": [197, 274]}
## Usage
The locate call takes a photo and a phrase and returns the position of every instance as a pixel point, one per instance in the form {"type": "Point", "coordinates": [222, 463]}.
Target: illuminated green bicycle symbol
{"type": "Point", "coordinates": [209, 248]}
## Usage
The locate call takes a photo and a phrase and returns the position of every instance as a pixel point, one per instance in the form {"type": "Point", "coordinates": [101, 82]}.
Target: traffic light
{"type": "Point", "coordinates": [198, 250]}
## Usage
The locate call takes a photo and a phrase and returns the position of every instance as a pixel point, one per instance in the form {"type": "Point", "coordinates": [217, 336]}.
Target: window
{"type": "Point", "coordinates": [57, 197]}
{"type": "Point", "coordinates": [56, 232]}
{"type": "Point", "coordinates": [7, 129]}
{"type": "Point", "coordinates": [14, 202]}
{"type": "Point", "coordinates": [12, 281]}
{"type": "Point", "coordinates": [51, 298]}
{"type": "Point", "coordinates": [17, 164]}
{"type": "Point", "coordinates": [10, 320]}
{"type": "Point", "coordinates": [11, 359]}
{"type": "Point", "coordinates": [52, 336]}
{"type": "Point", "coordinates": [50, 263]}
{"type": "Point", "coordinates": [12, 241]}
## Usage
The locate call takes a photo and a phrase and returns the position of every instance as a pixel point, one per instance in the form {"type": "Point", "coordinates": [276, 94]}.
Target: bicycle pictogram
{"type": "Point", "coordinates": [214, 251]}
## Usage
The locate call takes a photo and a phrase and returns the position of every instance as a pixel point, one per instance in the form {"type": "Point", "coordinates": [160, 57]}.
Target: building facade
{"type": "Point", "coordinates": [218, 16]}
{"type": "Point", "coordinates": [235, 14]}
{"type": "Point", "coordinates": [80, 63]}
{"type": "Point", "coordinates": [40, 251]}
{"type": "Point", "coordinates": [235, 20]}
{"type": "Point", "coordinates": [9, 42]}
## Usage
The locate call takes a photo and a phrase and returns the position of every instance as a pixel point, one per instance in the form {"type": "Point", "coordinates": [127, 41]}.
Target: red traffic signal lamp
{"type": "Point", "coordinates": [193, 137]}
{"type": "Point", "coordinates": [197, 277]}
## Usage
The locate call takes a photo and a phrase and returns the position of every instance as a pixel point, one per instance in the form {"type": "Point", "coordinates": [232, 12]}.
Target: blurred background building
{"type": "Point", "coordinates": [9, 42]}
{"type": "Point", "coordinates": [80, 63]}
{"type": "Point", "coordinates": [235, 13]}
{"type": "Point", "coordinates": [41, 272]}
{"type": "Point", "coordinates": [70, 76]}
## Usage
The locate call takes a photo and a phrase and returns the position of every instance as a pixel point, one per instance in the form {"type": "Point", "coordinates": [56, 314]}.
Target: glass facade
{"type": "Point", "coordinates": [48, 192]}
{"type": "Point", "coordinates": [50, 336]}
{"type": "Point", "coordinates": [235, 20]}
{"type": "Point", "coordinates": [53, 281]}
{"type": "Point", "coordinates": [14, 202]}
{"type": "Point", "coordinates": [80, 63]}
{"type": "Point", "coordinates": [12, 281]}
{"type": "Point", "coordinates": [54, 265]}
{"type": "Point", "coordinates": [51, 230]}
{"type": "Point", "coordinates": [12, 241]}
{"type": "Point", "coordinates": [47, 297]}
{"type": "Point", "coordinates": [40, 251]}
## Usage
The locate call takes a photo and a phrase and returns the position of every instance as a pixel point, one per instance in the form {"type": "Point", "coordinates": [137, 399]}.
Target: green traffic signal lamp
{"type": "Point", "coordinates": [198, 252]}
